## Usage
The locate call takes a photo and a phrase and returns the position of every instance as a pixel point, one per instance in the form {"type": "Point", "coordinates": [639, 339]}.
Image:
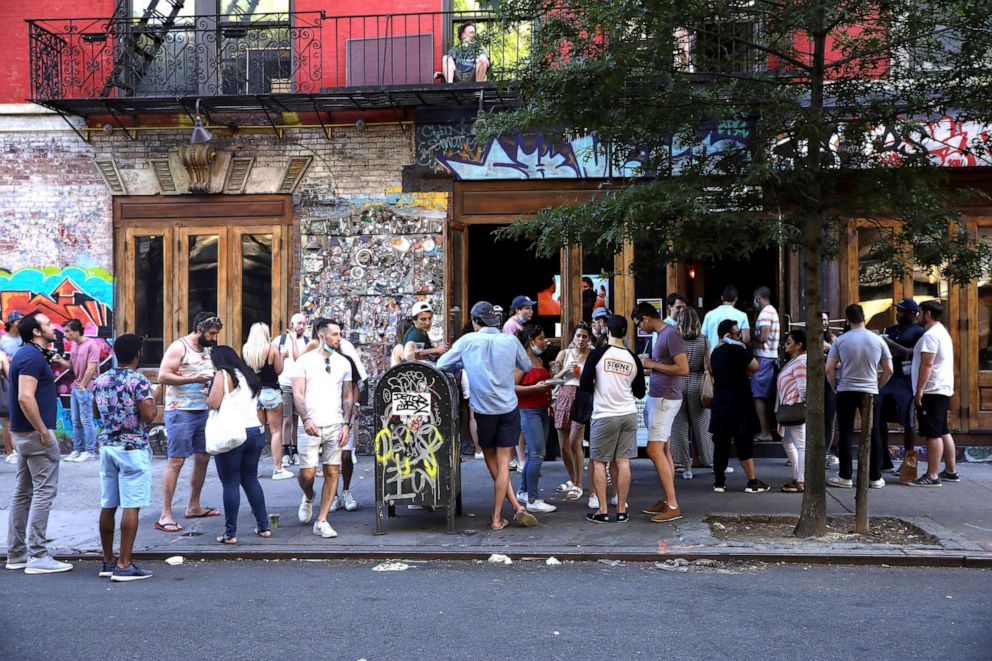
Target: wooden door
{"type": "Point", "coordinates": [201, 278]}
{"type": "Point", "coordinates": [456, 304]}
{"type": "Point", "coordinates": [254, 281]}
{"type": "Point", "coordinates": [975, 346]}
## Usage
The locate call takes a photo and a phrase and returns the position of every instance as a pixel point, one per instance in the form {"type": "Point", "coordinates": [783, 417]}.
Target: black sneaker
{"type": "Point", "coordinates": [108, 569]}
{"type": "Point", "coordinates": [129, 573]}
{"type": "Point", "coordinates": [623, 517]}
{"type": "Point", "coordinates": [949, 477]}
{"type": "Point", "coordinates": [595, 517]}
{"type": "Point", "coordinates": [756, 486]}
{"type": "Point", "coordinates": [925, 481]}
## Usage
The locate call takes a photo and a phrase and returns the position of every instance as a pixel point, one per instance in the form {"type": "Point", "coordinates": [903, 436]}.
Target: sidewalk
{"type": "Point", "coordinates": [959, 515]}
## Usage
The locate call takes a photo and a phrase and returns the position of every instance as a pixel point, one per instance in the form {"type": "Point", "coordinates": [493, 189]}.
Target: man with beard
{"type": "Point", "coordinates": [186, 372]}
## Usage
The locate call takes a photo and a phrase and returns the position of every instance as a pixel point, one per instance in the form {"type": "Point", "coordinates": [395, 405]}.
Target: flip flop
{"type": "Point", "coordinates": [224, 539]}
{"type": "Point", "coordinates": [167, 527]}
{"type": "Point", "coordinates": [206, 513]}
{"type": "Point", "coordinates": [502, 524]}
{"type": "Point", "coordinates": [264, 534]}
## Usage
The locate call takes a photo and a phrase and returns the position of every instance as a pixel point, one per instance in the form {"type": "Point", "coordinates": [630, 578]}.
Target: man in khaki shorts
{"type": "Point", "coordinates": [322, 394]}
{"type": "Point", "coordinates": [291, 344]}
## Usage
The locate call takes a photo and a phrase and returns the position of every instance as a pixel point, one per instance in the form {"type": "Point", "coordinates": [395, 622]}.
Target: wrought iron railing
{"type": "Point", "coordinates": [259, 54]}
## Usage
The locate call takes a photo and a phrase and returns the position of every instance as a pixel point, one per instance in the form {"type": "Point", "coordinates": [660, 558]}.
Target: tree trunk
{"type": "Point", "coordinates": [813, 515]}
{"type": "Point", "coordinates": [864, 460]}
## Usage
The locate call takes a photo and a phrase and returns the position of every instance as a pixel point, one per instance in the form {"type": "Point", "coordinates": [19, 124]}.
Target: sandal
{"type": "Point", "coordinates": [573, 494]}
{"type": "Point", "coordinates": [502, 524]}
{"type": "Point", "coordinates": [224, 539]}
{"type": "Point", "coordinates": [172, 526]}
{"type": "Point", "coordinates": [264, 534]}
{"type": "Point", "coordinates": [793, 487]}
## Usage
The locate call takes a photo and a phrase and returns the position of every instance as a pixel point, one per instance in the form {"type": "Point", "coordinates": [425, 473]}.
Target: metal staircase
{"type": "Point", "coordinates": [139, 43]}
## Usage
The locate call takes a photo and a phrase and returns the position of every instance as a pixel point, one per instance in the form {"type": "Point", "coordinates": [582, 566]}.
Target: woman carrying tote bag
{"type": "Point", "coordinates": [237, 386]}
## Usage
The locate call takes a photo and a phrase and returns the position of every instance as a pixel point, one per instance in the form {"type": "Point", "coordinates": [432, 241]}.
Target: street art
{"type": "Point", "coordinates": [62, 294]}
{"type": "Point", "coordinates": [409, 437]}
{"type": "Point", "coordinates": [950, 142]}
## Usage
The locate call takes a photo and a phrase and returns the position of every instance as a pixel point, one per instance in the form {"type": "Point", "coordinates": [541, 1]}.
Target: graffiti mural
{"type": "Point", "coordinates": [62, 294]}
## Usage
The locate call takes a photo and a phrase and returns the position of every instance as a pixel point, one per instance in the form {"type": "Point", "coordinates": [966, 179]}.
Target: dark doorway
{"type": "Point", "coordinates": [747, 274]}
{"type": "Point", "coordinates": [499, 270]}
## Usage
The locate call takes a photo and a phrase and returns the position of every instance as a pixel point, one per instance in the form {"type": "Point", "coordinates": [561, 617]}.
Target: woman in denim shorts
{"type": "Point", "coordinates": [264, 357]}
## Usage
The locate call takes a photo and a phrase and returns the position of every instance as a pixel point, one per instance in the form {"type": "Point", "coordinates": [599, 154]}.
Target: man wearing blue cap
{"type": "Point", "coordinates": [521, 312]}
{"type": "Point", "coordinates": [896, 398]}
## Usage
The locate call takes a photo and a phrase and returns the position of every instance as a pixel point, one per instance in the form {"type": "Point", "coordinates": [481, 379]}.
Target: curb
{"type": "Point", "coordinates": [907, 558]}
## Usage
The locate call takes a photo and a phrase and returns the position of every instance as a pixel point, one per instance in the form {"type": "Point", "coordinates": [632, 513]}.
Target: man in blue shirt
{"type": "Point", "coordinates": [489, 358]}
{"type": "Point", "coordinates": [32, 425]}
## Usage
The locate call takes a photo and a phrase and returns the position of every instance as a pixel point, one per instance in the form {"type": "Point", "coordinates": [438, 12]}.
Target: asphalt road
{"type": "Point", "coordinates": [343, 610]}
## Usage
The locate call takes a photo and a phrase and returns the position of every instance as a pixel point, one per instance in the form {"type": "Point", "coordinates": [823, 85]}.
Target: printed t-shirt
{"type": "Point", "coordinates": [118, 394]}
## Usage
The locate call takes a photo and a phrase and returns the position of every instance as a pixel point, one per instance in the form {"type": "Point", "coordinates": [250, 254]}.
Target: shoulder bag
{"type": "Point", "coordinates": [791, 415]}
{"type": "Point", "coordinates": [224, 430]}
{"type": "Point", "coordinates": [706, 390]}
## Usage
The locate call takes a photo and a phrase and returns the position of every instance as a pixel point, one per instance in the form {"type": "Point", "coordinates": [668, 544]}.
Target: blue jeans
{"type": "Point", "coordinates": [83, 427]}
{"type": "Point", "coordinates": [239, 468]}
{"type": "Point", "coordinates": [534, 423]}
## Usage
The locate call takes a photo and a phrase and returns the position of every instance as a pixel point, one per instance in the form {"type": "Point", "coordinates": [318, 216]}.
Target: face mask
{"type": "Point", "coordinates": [729, 340]}
{"type": "Point", "coordinates": [757, 304]}
{"type": "Point", "coordinates": [328, 348]}
{"type": "Point", "coordinates": [536, 349]}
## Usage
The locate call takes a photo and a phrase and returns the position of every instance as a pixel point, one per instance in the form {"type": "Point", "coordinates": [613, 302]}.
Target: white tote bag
{"type": "Point", "coordinates": [224, 430]}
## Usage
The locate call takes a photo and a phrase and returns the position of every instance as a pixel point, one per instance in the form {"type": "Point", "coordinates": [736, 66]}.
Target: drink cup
{"type": "Point", "coordinates": [576, 369]}
{"type": "Point", "coordinates": [274, 520]}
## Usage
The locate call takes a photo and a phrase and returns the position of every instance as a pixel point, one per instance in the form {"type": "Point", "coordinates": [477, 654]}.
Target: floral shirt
{"type": "Point", "coordinates": [118, 394]}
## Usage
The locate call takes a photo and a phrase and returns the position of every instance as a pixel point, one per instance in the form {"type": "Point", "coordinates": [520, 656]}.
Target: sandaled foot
{"type": "Point", "coordinates": [203, 513]}
{"type": "Point", "coordinates": [167, 526]}
{"type": "Point", "coordinates": [265, 534]}
{"type": "Point", "coordinates": [224, 539]}
{"type": "Point", "coordinates": [499, 526]}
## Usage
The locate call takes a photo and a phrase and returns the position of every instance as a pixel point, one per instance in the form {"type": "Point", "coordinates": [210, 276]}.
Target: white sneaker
{"type": "Point", "coordinates": [832, 460]}
{"type": "Point", "coordinates": [305, 511]}
{"type": "Point", "coordinates": [324, 529]}
{"type": "Point", "coordinates": [876, 484]}
{"type": "Point", "coordinates": [349, 502]}
{"type": "Point", "coordinates": [730, 469]}
{"type": "Point", "coordinates": [540, 506]}
{"type": "Point", "coordinates": [593, 502]}
{"type": "Point", "coordinates": [840, 483]}
{"type": "Point", "coordinates": [522, 497]}
{"type": "Point", "coordinates": [282, 474]}
{"type": "Point", "coordinates": [335, 504]}
{"type": "Point", "coordinates": [479, 455]}
{"type": "Point", "coordinates": [85, 456]}
{"type": "Point", "coordinates": [73, 456]}
{"type": "Point", "coordinates": [286, 462]}
{"type": "Point", "coordinates": [11, 458]}
{"type": "Point", "coordinates": [46, 565]}
{"type": "Point", "coordinates": [687, 475]}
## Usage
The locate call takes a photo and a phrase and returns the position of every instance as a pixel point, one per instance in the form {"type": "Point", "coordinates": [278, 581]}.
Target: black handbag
{"type": "Point", "coordinates": [4, 396]}
{"type": "Point", "coordinates": [791, 415]}
{"type": "Point", "coordinates": [581, 412]}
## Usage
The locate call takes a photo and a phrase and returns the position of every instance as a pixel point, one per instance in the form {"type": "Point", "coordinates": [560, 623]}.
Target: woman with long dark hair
{"type": "Point", "coordinates": [569, 363]}
{"type": "Point", "coordinates": [533, 400]}
{"type": "Point", "coordinates": [239, 386]}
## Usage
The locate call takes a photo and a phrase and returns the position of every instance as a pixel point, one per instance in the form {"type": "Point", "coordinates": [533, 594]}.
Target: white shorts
{"type": "Point", "coordinates": [324, 449]}
{"type": "Point", "coordinates": [663, 412]}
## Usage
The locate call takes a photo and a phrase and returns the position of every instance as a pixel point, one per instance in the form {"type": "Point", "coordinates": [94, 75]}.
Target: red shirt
{"type": "Point", "coordinates": [535, 400]}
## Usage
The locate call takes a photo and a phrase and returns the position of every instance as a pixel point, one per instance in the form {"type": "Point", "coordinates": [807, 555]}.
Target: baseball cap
{"type": "Point", "coordinates": [14, 316]}
{"type": "Point", "coordinates": [484, 312]}
{"type": "Point", "coordinates": [908, 304]}
{"type": "Point", "coordinates": [521, 301]}
{"type": "Point", "coordinates": [601, 312]}
{"type": "Point", "coordinates": [420, 307]}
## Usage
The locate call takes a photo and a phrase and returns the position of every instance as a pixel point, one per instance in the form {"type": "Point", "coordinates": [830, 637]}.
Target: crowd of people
{"type": "Point", "coordinates": [213, 393]}
{"type": "Point", "coordinates": [708, 386]}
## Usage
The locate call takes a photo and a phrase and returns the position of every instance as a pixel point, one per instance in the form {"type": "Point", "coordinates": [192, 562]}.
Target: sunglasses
{"type": "Point", "coordinates": [210, 322]}
{"type": "Point", "coordinates": [327, 364]}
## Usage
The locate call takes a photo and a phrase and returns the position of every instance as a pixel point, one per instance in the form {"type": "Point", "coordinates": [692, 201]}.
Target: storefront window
{"type": "Point", "coordinates": [875, 288]}
{"type": "Point", "coordinates": [984, 317]}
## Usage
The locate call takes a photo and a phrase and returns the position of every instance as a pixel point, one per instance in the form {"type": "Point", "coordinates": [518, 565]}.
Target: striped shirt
{"type": "Point", "coordinates": [792, 381]}
{"type": "Point", "coordinates": [768, 317]}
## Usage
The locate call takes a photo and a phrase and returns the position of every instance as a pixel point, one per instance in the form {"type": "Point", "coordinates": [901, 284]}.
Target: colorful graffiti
{"type": "Point", "coordinates": [63, 294]}
{"type": "Point", "coordinates": [950, 142]}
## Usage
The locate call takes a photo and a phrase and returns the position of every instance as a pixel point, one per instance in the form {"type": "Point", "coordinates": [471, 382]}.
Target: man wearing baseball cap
{"type": "Point", "coordinates": [489, 358]}
{"type": "Point", "coordinates": [11, 342]}
{"type": "Point", "coordinates": [521, 312]}
{"type": "Point", "coordinates": [600, 334]}
{"type": "Point", "coordinates": [422, 317]}
{"type": "Point", "coordinates": [896, 398]}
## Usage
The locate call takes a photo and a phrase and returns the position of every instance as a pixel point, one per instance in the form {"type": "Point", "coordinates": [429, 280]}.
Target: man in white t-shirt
{"type": "Point", "coordinates": [765, 344]}
{"type": "Point", "coordinates": [726, 310]}
{"type": "Point", "coordinates": [616, 382]}
{"type": "Point", "coordinates": [292, 344]}
{"type": "Point", "coordinates": [322, 394]}
{"type": "Point", "coordinates": [933, 386]}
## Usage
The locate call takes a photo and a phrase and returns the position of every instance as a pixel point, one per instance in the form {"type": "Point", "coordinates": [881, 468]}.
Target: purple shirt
{"type": "Point", "coordinates": [512, 326]}
{"type": "Point", "coordinates": [668, 345]}
{"type": "Point", "coordinates": [82, 356]}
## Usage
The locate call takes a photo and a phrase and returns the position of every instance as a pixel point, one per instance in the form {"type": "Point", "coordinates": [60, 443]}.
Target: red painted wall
{"type": "Point", "coordinates": [15, 85]}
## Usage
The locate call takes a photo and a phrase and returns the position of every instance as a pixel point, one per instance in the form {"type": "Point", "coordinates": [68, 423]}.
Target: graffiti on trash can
{"type": "Point", "coordinates": [409, 438]}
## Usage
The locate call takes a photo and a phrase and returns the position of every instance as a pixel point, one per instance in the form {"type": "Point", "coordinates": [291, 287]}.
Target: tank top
{"type": "Point", "coordinates": [192, 396]}
{"type": "Point", "coordinates": [268, 376]}
{"type": "Point", "coordinates": [243, 402]}
{"type": "Point", "coordinates": [535, 400]}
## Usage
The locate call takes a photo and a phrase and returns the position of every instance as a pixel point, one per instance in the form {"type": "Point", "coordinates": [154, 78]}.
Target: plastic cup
{"type": "Point", "coordinates": [274, 520]}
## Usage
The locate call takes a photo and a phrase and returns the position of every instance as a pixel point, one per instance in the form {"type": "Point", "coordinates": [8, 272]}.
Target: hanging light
{"type": "Point", "coordinates": [200, 134]}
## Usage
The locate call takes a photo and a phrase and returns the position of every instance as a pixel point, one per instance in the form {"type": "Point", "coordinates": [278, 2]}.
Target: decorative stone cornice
{"type": "Point", "coordinates": [197, 160]}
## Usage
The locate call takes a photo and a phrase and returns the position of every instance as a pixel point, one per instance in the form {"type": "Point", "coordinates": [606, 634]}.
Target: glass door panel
{"type": "Point", "coordinates": [147, 300]}
{"type": "Point", "coordinates": [201, 279]}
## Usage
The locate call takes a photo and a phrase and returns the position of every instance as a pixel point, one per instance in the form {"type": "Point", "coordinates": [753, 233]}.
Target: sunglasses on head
{"type": "Point", "coordinates": [210, 322]}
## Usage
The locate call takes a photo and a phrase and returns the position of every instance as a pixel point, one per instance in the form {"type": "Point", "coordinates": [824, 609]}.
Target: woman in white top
{"type": "Point", "coordinates": [569, 366]}
{"type": "Point", "coordinates": [239, 467]}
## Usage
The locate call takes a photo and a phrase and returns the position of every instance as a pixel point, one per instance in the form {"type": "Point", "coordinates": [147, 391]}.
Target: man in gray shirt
{"type": "Point", "coordinates": [865, 366]}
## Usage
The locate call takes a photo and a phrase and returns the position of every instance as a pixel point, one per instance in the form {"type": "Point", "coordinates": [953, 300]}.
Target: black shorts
{"type": "Point", "coordinates": [498, 431]}
{"type": "Point", "coordinates": [932, 415]}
